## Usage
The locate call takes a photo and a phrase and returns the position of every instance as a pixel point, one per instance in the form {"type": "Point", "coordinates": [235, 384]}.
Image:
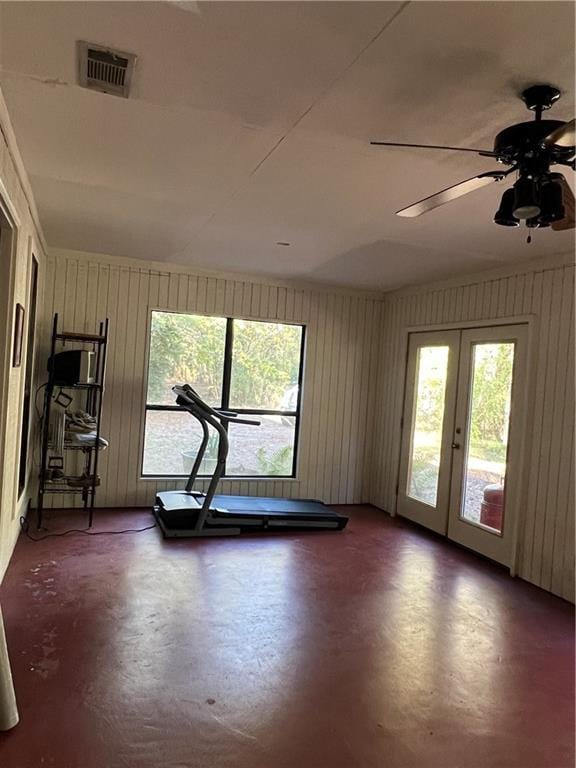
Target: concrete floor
{"type": "Point", "coordinates": [379, 647]}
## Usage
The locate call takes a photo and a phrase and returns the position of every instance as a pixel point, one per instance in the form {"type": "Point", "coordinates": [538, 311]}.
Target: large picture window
{"type": "Point", "coordinates": [249, 367]}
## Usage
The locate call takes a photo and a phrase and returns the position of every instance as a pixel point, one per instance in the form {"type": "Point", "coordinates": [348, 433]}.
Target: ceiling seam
{"type": "Point", "coordinates": [331, 85]}
{"type": "Point", "coordinates": [301, 117]}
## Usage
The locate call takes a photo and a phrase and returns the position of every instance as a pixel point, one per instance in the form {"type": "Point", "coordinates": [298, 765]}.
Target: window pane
{"type": "Point", "coordinates": [431, 372]}
{"type": "Point", "coordinates": [489, 415]}
{"type": "Point", "coordinates": [185, 349]}
{"type": "Point", "coordinates": [264, 450]}
{"type": "Point", "coordinates": [265, 365]}
{"type": "Point", "coordinates": [171, 442]}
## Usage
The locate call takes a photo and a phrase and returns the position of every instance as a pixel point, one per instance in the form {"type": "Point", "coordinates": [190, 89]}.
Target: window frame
{"type": "Point", "coordinates": [225, 398]}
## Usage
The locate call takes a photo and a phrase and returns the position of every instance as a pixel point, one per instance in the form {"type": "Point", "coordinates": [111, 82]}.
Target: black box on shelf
{"type": "Point", "coordinates": [73, 366]}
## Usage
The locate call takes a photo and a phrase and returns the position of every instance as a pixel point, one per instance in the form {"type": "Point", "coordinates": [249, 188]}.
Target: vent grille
{"type": "Point", "coordinates": [102, 69]}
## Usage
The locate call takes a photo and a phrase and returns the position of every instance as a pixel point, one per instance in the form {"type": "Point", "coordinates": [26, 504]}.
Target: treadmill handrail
{"type": "Point", "coordinates": [185, 392]}
{"type": "Point", "coordinates": [233, 418]}
{"type": "Point", "coordinates": [244, 421]}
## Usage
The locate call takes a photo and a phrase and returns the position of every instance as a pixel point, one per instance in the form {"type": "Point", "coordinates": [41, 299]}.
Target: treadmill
{"type": "Point", "coordinates": [189, 513]}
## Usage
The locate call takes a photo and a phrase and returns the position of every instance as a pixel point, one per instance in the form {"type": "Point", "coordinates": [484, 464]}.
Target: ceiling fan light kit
{"type": "Point", "coordinates": [505, 214]}
{"type": "Point", "coordinates": [551, 198]}
{"type": "Point", "coordinates": [538, 204]}
{"type": "Point", "coordinates": [526, 196]}
{"type": "Point", "coordinates": [539, 197]}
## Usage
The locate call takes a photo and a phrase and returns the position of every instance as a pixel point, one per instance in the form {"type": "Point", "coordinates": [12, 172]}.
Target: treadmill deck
{"type": "Point", "coordinates": [177, 512]}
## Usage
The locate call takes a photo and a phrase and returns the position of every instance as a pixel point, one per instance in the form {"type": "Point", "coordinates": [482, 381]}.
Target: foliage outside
{"type": "Point", "coordinates": [278, 463]}
{"type": "Point", "coordinates": [265, 366]}
{"type": "Point", "coordinates": [490, 409]}
{"type": "Point", "coordinates": [489, 412]}
{"type": "Point", "coordinates": [190, 348]}
{"type": "Point", "coordinates": [185, 349]}
{"type": "Point", "coordinates": [265, 363]}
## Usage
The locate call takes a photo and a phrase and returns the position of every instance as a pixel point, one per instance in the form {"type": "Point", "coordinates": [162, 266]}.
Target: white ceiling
{"type": "Point", "coordinates": [249, 124]}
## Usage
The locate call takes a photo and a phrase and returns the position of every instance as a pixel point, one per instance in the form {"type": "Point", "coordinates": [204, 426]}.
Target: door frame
{"type": "Point", "coordinates": [7, 308]}
{"type": "Point", "coordinates": [532, 323]}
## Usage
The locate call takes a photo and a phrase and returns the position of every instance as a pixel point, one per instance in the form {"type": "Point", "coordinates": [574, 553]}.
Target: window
{"type": "Point", "coordinates": [246, 366]}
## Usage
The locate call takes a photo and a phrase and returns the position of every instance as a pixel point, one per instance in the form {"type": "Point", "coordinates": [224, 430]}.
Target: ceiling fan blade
{"type": "Point", "coordinates": [568, 221]}
{"type": "Point", "coordinates": [451, 193]}
{"type": "Point", "coordinates": [565, 136]}
{"type": "Point", "coordinates": [483, 152]}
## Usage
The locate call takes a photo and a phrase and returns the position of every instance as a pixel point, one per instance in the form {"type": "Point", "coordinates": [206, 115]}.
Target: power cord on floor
{"type": "Point", "coordinates": [25, 527]}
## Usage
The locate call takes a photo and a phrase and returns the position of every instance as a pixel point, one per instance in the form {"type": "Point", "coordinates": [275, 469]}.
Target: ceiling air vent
{"type": "Point", "coordinates": [105, 70]}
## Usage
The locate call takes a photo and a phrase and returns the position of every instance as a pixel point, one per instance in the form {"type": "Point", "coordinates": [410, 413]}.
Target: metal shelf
{"type": "Point", "coordinates": [92, 403]}
{"type": "Point", "coordinates": [65, 489]}
{"type": "Point", "coordinates": [78, 447]}
{"type": "Point", "coordinates": [56, 385]}
{"type": "Point", "coordinates": [90, 338]}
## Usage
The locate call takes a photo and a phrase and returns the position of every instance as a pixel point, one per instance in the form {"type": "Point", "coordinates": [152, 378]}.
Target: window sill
{"type": "Point", "coordinates": [232, 479]}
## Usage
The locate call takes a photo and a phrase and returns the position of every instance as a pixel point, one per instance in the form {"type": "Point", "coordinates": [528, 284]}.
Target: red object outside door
{"type": "Point", "coordinates": [492, 507]}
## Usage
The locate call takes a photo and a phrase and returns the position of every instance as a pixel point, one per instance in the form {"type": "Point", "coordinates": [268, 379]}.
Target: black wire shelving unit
{"type": "Point", "coordinates": [91, 396]}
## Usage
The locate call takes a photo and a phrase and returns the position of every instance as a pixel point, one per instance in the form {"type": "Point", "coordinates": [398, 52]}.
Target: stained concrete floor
{"type": "Point", "coordinates": [379, 647]}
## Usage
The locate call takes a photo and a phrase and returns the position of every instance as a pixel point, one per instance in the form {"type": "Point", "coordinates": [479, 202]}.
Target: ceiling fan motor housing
{"type": "Point", "coordinates": [518, 140]}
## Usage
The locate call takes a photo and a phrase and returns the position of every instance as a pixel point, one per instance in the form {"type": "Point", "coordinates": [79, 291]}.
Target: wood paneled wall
{"type": "Point", "coordinates": [545, 292]}
{"type": "Point", "coordinates": [343, 329]}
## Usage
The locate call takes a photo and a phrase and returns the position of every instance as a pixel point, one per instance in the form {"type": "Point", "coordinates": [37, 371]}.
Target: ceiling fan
{"type": "Point", "coordinates": [539, 197]}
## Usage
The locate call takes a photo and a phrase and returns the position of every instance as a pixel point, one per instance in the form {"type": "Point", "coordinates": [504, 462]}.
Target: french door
{"type": "Point", "coordinates": [462, 435]}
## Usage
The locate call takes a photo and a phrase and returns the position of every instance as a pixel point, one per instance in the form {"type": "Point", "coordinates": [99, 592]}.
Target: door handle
{"type": "Point", "coordinates": [455, 445]}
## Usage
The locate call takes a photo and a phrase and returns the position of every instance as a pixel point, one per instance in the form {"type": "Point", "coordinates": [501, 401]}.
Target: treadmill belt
{"type": "Point", "coordinates": [270, 504]}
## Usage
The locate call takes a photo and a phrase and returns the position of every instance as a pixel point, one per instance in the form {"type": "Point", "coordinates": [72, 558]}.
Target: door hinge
{"type": "Point", "coordinates": [401, 422]}
{"type": "Point", "coordinates": [397, 488]}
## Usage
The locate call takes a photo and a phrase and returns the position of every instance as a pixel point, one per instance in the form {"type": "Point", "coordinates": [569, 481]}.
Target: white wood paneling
{"type": "Point", "coordinates": [339, 379]}
{"type": "Point", "coordinates": [545, 293]}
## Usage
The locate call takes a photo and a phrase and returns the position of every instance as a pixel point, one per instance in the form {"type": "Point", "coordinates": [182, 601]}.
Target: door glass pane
{"type": "Point", "coordinates": [426, 443]}
{"type": "Point", "coordinates": [487, 441]}
{"type": "Point", "coordinates": [185, 349]}
{"type": "Point", "coordinates": [265, 365]}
